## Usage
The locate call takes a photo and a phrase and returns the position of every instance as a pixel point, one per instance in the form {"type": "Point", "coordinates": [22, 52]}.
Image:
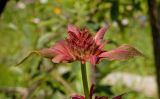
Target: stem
{"type": "Point", "coordinates": [85, 82]}
{"type": "Point", "coordinates": [93, 74]}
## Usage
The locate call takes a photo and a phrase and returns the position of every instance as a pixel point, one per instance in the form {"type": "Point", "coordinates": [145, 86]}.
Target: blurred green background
{"type": "Point", "coordinates": [26, 25]}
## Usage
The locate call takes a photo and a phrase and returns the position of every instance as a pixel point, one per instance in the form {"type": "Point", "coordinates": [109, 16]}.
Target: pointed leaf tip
{"type": "Point", "coordinates": [119, 96]}
{"type": "Point", "coordinates": [26, 57]}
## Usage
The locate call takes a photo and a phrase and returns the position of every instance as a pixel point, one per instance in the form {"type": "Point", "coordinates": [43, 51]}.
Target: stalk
{"type": "Point", "coordinates": [85, 82]}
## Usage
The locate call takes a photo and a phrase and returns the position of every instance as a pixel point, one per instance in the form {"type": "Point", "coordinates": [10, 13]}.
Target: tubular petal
{"type": "Point", "coordinates": [100, 34]}
{"type": "Point", "coordinates": [73, 29]}
{"type": "Point", "coordinates": [62, 48]}
{"type": "Point", "coordinates": [93, 60]}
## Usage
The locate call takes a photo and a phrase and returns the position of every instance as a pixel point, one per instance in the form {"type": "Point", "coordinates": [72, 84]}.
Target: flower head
{"type": "Point", "coordinates": [57, 10]}
{"type": "Point", "coordinates": [81, 45]}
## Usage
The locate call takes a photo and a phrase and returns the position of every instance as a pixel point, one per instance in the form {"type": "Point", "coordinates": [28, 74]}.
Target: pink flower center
{"type": "Point", "coordinates": [82, 44]}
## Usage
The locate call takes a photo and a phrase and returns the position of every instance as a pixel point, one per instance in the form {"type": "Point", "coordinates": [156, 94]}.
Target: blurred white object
{"type": "Point", "coordinates": [43, 1]}
{"type": "Point", "coordinates": [124, 22]}
{"type": "Point", "coordinates": [12, 26]}
{"type": "Point", "coordinates": [20, 5]}
{"type": "Point", "coordinates": [146, 85]}
{"type": "Point", "coordinates": [115, 24]}
{"type": "Point", "coordinates": [36, 20]}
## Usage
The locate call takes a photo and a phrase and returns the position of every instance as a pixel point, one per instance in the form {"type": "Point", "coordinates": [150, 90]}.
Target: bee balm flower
{"type": "Point", "coordinates": [82, 46]}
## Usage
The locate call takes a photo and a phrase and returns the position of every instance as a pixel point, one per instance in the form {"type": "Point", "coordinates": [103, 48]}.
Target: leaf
{"type": "Point", "coordinates": [77, 97]}
{"type": "Point", "coordinates": [118, 97]}
{"type": "Point", "coordinates": [121, 53]}
{"type": "Point", "coordinates": [26, 57]}
{"type": "Point", "coordinates": [101, 97]}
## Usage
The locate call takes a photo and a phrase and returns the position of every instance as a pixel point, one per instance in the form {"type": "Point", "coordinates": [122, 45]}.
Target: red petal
{"type": "Point", "coordinates": [61, 48]}
{"type": "Point", "coordinates": [103, 44]}
{"type": "Point", "coordinates": [72, 29]}
{"type": "Point", "coordinates": [121, 53]}
{"type": "Point", "coordinates": [93, 60]}
{"type": "Point", "coordinates": [99, 50]}
{"type": "Point", "coordinates": [100, 34]}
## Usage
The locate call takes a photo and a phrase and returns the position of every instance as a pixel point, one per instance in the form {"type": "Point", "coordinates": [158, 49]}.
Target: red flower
{"type": "Point", "coordinates": [96, 97]}
{"type": "Point", "coordinates": [81, 45]}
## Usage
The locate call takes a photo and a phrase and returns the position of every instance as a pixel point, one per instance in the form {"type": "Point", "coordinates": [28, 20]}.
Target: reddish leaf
{"type": "Point", "coordinates": [47, 52]}
{"type": "Point", "coordinates": [77, 97]}
{"type": "Point", "coordinates": [121, 53]}
{"type": "Point", "coordinates": [101, 97]}
{"type": "Point", "coordinates": [91, 91]}
{"type": "Point", "coordinates": [118, 97]}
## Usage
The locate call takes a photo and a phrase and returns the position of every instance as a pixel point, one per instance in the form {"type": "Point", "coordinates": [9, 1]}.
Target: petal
{"type": "Point", "coordinates": [121, 53]}
{"type": "Point", "coordinates": [59, 53]}
{"type": "Point", "coordinates": [61, 58]}
{"type": "Point", "coordinates": [101, 46]}
{"type": "Point", "coordinates": [73, 29]}
{"type": "Point", "coordinates": [93, 59]}
{"type": "Point", "coordinates": [62, 48]}
{"type": "Point", "coordinates": [100, 34]}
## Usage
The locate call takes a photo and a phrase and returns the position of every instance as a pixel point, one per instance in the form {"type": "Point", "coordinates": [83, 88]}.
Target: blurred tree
{"type": "Point", "coordinates": [153, 12]}
{"type": "Point", "coordinates": [2, 5]}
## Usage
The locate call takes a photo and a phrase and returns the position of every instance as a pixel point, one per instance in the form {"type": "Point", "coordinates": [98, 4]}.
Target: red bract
{"type": "Point", "coordinates": [81, 45]}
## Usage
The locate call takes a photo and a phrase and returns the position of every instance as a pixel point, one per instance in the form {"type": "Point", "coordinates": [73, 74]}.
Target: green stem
{"type": "Point", "coordinates": [85, 82]}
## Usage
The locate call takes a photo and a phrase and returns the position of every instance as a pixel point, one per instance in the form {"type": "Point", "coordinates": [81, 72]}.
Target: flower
{"type": "Point", "coordinates": [57, 10]}
{"type": "Point", "coordinates": [96, 97]}
{"type": "Point", "coordinates": [82, 46]}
